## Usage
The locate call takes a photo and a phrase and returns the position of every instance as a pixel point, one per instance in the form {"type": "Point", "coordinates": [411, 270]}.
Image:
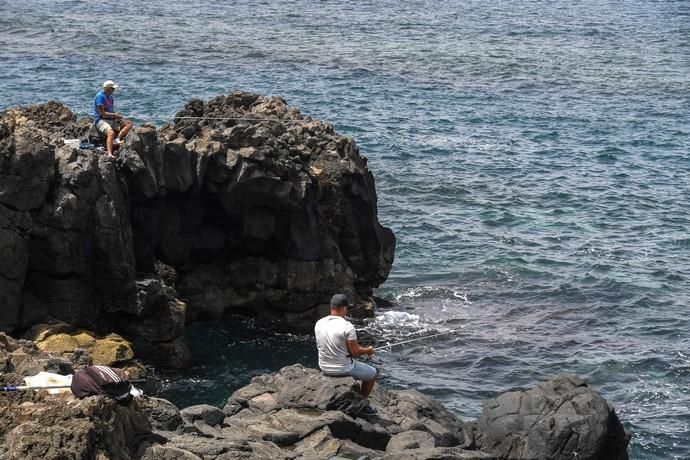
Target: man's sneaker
{"type": "Point", "coordinates": [367, 410]}
{"type": "Point", "coordinates": [118, 141]}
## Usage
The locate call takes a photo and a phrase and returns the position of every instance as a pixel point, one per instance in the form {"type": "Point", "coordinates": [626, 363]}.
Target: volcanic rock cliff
{"type": "Point", "coordinates": [241, 205]}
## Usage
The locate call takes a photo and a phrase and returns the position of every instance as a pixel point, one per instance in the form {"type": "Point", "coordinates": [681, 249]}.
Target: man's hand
{"type": "Point", "coordinates": [117, 116]}
{"type": "Point", "coordinates": [356, 349]}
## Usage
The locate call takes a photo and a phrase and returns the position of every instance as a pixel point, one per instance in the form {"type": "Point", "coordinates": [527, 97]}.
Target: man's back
{"type": "Point", "coordinates": [106, 101]}
{"type": "Point", "coordinates": [332, 333]}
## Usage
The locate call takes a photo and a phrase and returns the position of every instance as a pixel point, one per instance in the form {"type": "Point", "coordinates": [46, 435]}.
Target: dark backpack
{"type": "Point", "coordinates": [102, 380]}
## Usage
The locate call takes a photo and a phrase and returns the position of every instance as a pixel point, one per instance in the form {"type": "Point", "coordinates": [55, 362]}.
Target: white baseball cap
{"type": "Point", "coordinates": [109, 84]}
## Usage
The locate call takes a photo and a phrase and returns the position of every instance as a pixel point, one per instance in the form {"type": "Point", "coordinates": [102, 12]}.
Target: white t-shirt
{"type": "Point", "coordinates": [332, 334]}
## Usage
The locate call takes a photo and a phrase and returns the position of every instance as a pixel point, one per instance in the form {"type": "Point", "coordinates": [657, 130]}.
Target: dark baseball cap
{"type": "Point", "coordinates": [340, 300]}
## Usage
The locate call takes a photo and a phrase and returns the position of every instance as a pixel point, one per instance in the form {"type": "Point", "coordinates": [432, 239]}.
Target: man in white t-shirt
{"type": "Point", "coordinates": [336, 340]}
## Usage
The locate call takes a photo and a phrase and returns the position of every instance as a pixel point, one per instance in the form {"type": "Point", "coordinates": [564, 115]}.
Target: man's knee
{"type": "Point", "coordinates": [364, 372]}
{"type": "Point", "coordinates": [110, 132]}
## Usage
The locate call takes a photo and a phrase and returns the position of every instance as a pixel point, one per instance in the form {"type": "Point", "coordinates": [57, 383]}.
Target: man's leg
{"type": "Point", "coordinates": [367, 374]}
{"type": "Point", "coordinates": [110, 135]}
{"type": "Point", "coordinates": [125, 129]}
{"type": "Point", "coordinates": [366, 388]}
{"type": "Point", "coordinates": [105, 129]}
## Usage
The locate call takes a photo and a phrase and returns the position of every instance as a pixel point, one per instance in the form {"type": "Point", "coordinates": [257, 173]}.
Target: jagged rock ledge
{"type": "Point", "coordinates": [242, 205]}
{"type": "Point", "coordinates": [298, 413]}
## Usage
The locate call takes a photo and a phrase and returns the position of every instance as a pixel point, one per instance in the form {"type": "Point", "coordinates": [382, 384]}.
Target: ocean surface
{"type": "Point", "coordinates": [532, 158]}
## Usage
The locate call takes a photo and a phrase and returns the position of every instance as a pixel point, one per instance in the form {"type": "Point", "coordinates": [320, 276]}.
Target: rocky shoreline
{"type": "Point", "coordinates": [298, 413]}
{"type": "Point", "coordinates": [241, 206]}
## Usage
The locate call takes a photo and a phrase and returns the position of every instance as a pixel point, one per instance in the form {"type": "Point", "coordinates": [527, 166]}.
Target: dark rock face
{"type": "Point", "coordinates": [560, 418]}
{"type": "Point", "coordinates": [258, 208]}
{"type": "Point", "coordinates": [65, 224]}
{"type": "Point", "coordinates": [250, 208]}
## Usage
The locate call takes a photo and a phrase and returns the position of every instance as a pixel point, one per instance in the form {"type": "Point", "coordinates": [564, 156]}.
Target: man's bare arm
{"type": "Point", "coordinates": [103, 113]}
{"type": "Point", "coordinates": [356, 350]}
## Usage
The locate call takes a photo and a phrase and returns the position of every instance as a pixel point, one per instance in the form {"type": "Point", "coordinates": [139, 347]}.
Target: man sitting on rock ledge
{"type": "Point", "coordinates": [336, 340]}
{"type": "Point", "coordinates": [107, 120]}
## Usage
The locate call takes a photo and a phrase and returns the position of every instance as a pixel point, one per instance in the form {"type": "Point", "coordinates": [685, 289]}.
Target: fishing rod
{"type": "Point", "coordinates": [10, 388]}
{"type": "Point", "coordinates": [384, 347]}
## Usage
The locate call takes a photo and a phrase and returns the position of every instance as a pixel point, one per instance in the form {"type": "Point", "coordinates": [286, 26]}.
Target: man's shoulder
{"type": "Point", "coordinates": [100, 95]}
{"type": "Point", "coordinates": [327, 319]}
{"type": "Point", "coordinates": [332, 320]}
{"type": "Point", "coordinates": [334, 323]}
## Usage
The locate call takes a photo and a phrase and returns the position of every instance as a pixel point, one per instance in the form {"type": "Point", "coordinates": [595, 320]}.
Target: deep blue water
{"type": "Point", "coordinates": [532, 157]}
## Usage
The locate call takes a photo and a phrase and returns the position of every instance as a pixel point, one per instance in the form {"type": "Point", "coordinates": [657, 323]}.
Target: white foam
{"type": "Point", "coordinates": [397, 319]}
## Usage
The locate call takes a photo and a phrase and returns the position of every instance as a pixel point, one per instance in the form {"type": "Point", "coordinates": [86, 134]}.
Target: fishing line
{"type": "Point", "coordinates": [386, 347]}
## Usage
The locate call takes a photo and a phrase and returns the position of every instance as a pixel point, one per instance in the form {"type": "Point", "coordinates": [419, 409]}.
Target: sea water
{"type": "Point", "coordinates": [532, 158]}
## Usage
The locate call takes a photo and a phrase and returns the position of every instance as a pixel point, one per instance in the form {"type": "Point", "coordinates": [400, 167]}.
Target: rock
{"type": "Point", "coordinates": [157, 324]}
{"type": "Point", "coordinates": [24, 363]}
{"type": "Point", "coordinates": [59, 343]}
{"type": "Point", "coordinates": [163, 414]}
{"type": "Point", "coordinates": [14, 260]}
{"type": "Point", "coordinates": [134, 369]}
{"type": "Point", "coordinates": [412, 439]}
{"type": "Point", "coordinates": [320, 444]}
{"type": "Point", "coordinates": [259, 423]}
{"type": "Point", "coordinates": [19, 358]}
{"type": "Point", "coordinates": [159, 452]}
{"type": "Point", "coordinates": [209, 448]}
{"type": "Point", "coordinates": [81, 358]}
{"type": "Point", "coordinates": [300, 387]}
{"type": "Point", "coordinates": [410, 410]}
{"type": "Point", "coordinates": [302, 406]}
{"type": "Point", "coordinates": [81, 256]}
{"type": "Point", "coordinates": [209, 414]}
{"type": "Point", "coordinates": [373, 436]}
{"type": "Point", "coordinates": [437, 453]}
{"type": "Point", "coordinates": [35, 424]}
{"type": "Point", "coordinates": [59, 426]}
{"type": "Point", "coordinates": [271, 193]}
{"type": "Point", "coordinates": [266, 213]}
{"type": "Point", "coordinates": [560, 418]}
{"type": "Point", "coordinates": [288, 426]}
{"type": "Point", "coordinates": [173, 353]}
{"type": "Point", "coordinates": [110, 350]}
{"type": "Point", "coordinates": [26, 164]}
{"type": "Point", "coordinates": [354, 451]}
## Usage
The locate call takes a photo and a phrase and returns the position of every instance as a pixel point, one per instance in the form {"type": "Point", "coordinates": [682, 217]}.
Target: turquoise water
{"type": "Point", "coordinates": [532, 158]}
